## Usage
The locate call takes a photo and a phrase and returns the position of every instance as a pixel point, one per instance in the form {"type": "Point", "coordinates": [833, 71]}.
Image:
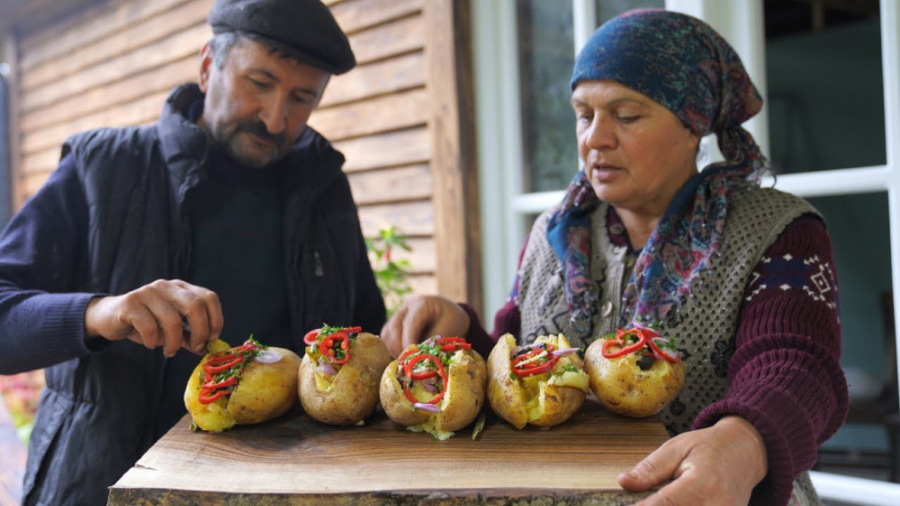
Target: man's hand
{"type": "Point", "coordinates": [154, 315]}
{"type": "Point", "coordinates": [421, 317]}
{"type": "Point", "coordinates": [718, 465]}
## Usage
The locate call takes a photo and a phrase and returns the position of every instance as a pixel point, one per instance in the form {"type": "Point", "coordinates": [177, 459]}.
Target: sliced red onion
{"type": "Point", "coordinates": [427, 407]}
{"type": "Point", "coordinates": [518, 349]}
{"type": "Point", "coordinates": [640, 325]}
{"type": "Point", "coordinates": [660, 342]}
{"type": "Point", "coordinates": [564, 351]}
{"type": "Point", "coordinates": [430, 388]}
{"type": "Point", "coordinates": [267, 357]}
{"type": "Point", "coordinates": [325, 368]}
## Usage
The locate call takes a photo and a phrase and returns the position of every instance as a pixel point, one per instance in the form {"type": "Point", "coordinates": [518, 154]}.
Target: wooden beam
{"type": "Point", "coordinates": [401, 36]}
{"type": "Point", "coordinates": [84, 25]}
{"type": "Point", "coordinates": [142, 33]}
{"type": "Point", "coordinates": [379, 78]}
{"type": "Point", "coordinates": [115, 93]}
{"type": "Point", "coordinates": [186, 43]}
{"type": "Point", "coordinates": [396, 111]}
{"type": "Point", "coordinates": [396, 184]}
{"type": "Point", "coordinates": [368, 153]}
{"type": "Point", "coordinates": [26, 14]}
{"type": "Point", "coordinates": [363, 14]}
{"type": "Point", "coordinates": [140, 111]}
{"type": "Point", "coordinates": [457, 235]}
{"type": "Point", "coordinates": [412, 218]}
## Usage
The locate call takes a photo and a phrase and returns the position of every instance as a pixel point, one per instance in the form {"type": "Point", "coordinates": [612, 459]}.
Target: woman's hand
{"type": "Point", "coordinates": [718, 465]}
{"type": "Point", "coordinates": [421, 317]}
{"type": "Point", "coordinates": [155, 315]}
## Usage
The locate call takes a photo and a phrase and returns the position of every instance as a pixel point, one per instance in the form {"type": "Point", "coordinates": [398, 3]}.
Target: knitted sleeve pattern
{"type": "Point", "coordinates": [785, 377]}
{"type": "Point", "coordinates": [42, 256]}
{"type": "Point", "coordinates": [507, 320]}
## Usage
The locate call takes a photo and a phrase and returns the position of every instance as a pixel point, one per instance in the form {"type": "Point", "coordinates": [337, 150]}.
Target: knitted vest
{"type": "Point", "coordinates": [704, 327]}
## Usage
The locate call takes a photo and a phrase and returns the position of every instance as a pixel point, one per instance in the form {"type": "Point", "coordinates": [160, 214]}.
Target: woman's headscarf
{"type": "Point", "coordinates": [682, 63]}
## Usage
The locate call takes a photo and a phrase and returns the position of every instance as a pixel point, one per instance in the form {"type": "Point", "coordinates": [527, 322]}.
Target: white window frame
{"type": "Point", "coordinates": [504, 206]}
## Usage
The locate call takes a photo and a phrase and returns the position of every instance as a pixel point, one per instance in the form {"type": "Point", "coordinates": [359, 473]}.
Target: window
{"type": "Point", "coordinates": [830, 73]}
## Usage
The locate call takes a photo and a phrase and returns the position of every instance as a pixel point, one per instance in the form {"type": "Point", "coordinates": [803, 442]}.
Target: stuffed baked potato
{"type": "Point", "coordinates": [437, 386]}
{"type": "Point", "coordinates": [542, 384]}
{"type": "Point", "coordinates": [340, 374]}
{"type": "Point", "coordinates": [247, 384]}
{"type": "Point", "coordinates": [634, 372]}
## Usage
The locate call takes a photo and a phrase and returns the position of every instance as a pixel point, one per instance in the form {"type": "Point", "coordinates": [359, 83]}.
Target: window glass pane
{"type": "Point", "coordinates": [825, 90]}
{"type": "Point", "coordinates": [546, 57]}
{"type": "Point", "coordinates": [860, 234]}
{"type": "Point", "coordinates": [547, 54]}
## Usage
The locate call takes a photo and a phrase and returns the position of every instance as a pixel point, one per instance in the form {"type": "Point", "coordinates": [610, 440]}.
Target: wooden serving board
{"type": "Point", "coordinates": [295, 460]}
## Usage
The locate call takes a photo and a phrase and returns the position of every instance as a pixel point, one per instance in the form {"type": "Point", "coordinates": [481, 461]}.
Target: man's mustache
{"type": "Point", "coordinates": [258, 128]}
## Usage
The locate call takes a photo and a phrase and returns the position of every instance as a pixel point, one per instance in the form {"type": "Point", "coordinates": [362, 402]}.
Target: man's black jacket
{"type": "Point", "coordinates": [117, 221]}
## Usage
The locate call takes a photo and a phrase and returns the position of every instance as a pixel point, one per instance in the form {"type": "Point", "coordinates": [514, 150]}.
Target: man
{"type": "Point", "coordinates": [229, 217]}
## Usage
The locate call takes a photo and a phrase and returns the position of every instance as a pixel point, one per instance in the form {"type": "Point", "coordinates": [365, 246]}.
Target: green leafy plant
{"type": "Point", "coordinates": [390, 272]}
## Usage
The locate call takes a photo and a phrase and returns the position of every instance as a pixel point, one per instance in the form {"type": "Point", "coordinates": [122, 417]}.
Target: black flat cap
{"type": "Point", "coordinates": [303, 29]}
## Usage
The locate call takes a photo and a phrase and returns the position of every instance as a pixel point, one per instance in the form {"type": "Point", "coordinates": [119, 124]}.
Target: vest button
{"type": "Point", "coordinates": [606, 309]}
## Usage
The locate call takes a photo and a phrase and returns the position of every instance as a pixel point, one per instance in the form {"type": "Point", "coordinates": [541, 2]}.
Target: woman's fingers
{"type": "Point", "coordinates": [392, 331]}
{"type": "Point", "coordinates": [659, 466]}
{"type": "Point", "coordinates": [418, 316]}
{"type": "Point", "coordinates": [718, 465]}
{"type": "Point", "coordinates": [421, 317]}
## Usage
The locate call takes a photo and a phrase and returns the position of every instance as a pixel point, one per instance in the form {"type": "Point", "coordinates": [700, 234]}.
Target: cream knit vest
{"type": "Point", "coordinates": [704, 327]}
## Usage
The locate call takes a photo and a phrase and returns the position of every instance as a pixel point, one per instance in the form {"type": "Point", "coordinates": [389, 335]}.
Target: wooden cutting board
{"type": "Point", "coordinates": [295, 460]}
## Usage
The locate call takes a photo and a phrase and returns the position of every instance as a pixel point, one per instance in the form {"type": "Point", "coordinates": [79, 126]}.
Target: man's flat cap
{"type": "Point", "coordinates": [303, 29]}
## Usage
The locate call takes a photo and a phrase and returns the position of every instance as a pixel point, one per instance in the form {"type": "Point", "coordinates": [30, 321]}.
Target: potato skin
{"type": "Point", "coordinates": [505, 395]}
{"type": "Point", "coordinates": [353, 394]}
{"type": "Point", "coordinates": [266, 391]}
{"type": "Point", "coordinates": [622, 387]}
{"type": "Point", "coordinates": [212, 417]}
{"type": "Point", "coordinates": [509, 398]}
{"type": "Point", "coordinates": [460, 406]}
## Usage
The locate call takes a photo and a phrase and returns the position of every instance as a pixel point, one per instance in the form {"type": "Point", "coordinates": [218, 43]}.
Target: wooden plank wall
{"type": "Point", "coordinates": [113, 63]}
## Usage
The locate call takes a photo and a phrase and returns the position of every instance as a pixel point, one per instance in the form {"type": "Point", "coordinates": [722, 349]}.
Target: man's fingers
{"type": "Point", "coordinates": [169, 318]}
{"type": "Point", "coordinates": [202, 310]}
{"type": "Point", "coordinates": [196, 312]}
{"type": "Point", "coordinates": [146, 330]}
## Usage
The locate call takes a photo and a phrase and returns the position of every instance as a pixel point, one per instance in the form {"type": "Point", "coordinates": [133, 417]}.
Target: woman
{"type": "Point", "coordinates": [741, 276]}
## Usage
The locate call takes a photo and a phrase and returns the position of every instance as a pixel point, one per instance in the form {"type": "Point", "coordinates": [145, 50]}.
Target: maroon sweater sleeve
{"type": "Point", "coordinates": [507, 320]}
{"type": "Point", "coordinates": [785, 376]}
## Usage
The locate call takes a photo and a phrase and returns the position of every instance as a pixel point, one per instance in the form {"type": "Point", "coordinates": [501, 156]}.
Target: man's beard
{"type": "Point", "coordinates": [234, 148]}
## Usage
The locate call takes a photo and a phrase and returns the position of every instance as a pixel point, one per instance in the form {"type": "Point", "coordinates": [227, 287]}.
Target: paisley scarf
{"type": "Point", "coordinates": [682, 63]}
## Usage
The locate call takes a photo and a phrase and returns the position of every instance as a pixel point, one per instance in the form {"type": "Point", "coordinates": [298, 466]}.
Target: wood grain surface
{"type": "Point", "coordinates": [295, 460]}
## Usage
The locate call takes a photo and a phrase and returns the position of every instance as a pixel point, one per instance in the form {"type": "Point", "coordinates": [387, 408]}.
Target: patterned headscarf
{"type": "Point", "coordinates": [682, 63]}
